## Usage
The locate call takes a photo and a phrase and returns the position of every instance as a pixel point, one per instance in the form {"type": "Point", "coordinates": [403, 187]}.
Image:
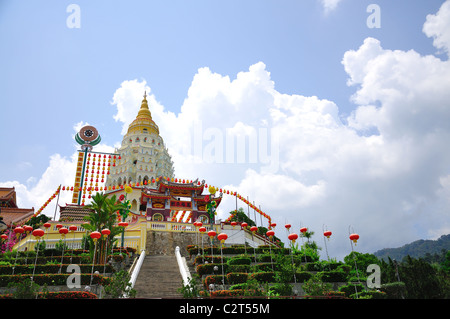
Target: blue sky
{"type": "Point", "coordinates": [53, 77]}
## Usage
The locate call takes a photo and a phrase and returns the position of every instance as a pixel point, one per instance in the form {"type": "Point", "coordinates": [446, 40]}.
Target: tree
{"type": "Point", "coordinates": [241, 217]}
{"type": "Point", "coordinates": [103, 215]}
{"type": "Point", "coordinates": [362, 261]}
{"type": "Point", "coordinates": [420, 278]}
{"type": "Point", "coordinates": [120, 286]}
{"type": "Point", "coordinates": [37, 221]}
{"type": "Point", "coordinates": [445, 265]}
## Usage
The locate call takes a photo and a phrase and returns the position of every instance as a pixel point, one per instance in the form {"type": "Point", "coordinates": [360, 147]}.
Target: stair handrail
{"type": "Point", "coordinates": [185, 275]}
{"type": "Point", "coordinates": [136, 270]}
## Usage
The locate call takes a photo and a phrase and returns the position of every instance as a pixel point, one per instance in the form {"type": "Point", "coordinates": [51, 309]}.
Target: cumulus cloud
{"type": "Point", "coordinates": [437, 26]}
{"type": "Point", "coordinates": [61, 170]}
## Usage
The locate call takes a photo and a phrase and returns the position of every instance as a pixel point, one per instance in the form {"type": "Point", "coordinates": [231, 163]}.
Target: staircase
{"type": "Point", "coordinates": [159, 277]}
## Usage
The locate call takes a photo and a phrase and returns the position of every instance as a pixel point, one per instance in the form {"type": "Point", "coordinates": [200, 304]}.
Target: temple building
{"type": "Point", "coordinates": [143, 155]}
{"type": "Point", "coordinates": [179, 201]}
{"type": "Point", "coordinates": [9, 211]}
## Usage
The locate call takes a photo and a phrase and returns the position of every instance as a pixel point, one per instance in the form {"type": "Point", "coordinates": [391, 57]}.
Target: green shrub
{"type": "Point", "coordinates": [227, 293]}
{"type": "Point", "coordinates": [333, 276]}
{"type": "Point", "coordinates": [371, 294]}
{"type": "Point", "coordinates": [236, 277]}
{"type": "Point", "coordinates": [265, 276]}
{"type": "Point", "coordinates": [53, 279]}
{"type": "Point", "coordinates": [349, 289]}
{"type": "Point", "coordinates": [239, 268]}
{"type": "Point", "coordinates": [213, 279]}
{"type": "Point", "coordinates": [208, 269]}
{"type": "Point", "coordinates": [266, 267]}
{"type": "Point", "coordinates": [52, 268]}
{"type": "Point", "coordinates": [394, 290]}
{"type": "Point", "coordinates": [280, 289]}
{"type": "Point", "coordinates": [208, 258]}
{"type": "Point", "coordinates": [265, 258]}
{"type": "Point", "coordinates": [302, 276]}
{"type": "Point", "coordinates": [239, 261]}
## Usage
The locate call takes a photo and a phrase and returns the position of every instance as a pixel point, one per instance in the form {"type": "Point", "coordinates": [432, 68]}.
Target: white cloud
{"type": "Point", "coordinates": [61, 170]}
{"type": "Point", "coordinates": [437, 26]}
{"type": "Point", "coordinates": [329, 5]}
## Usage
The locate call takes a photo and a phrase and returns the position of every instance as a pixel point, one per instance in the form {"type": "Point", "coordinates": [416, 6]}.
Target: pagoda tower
{"type": "Point", "coordinates": [143, 155]}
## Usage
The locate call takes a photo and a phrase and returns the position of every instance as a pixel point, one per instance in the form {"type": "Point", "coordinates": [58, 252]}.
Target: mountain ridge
{"type": "Point", "coordinates": [416, 249]}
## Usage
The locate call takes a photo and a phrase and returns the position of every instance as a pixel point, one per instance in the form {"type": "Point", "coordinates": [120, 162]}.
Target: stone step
{"type": "Point", "coordinates": [159, 277]}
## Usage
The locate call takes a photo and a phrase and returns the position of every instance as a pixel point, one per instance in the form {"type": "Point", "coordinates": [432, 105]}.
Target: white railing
{"type": "Point", "coordinates": [184, 271]}
{"type": "Point", "coordinates": [137, 268]}
{"type": "Point", "coordinates": [176, 227]}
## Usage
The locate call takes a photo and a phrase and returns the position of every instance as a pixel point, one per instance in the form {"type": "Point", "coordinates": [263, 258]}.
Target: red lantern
{"type": "Point", "coordinates": [293, 237]}
{"type": "Point", "coordinates": [244, 224]}
{"type": "Point", "coordinates": [106, 232]}
{"type": "Point", "coordinates": [253, 229]}
{"type": "Point", "coordinates": [233, 224]}
{"type": "Point", "coordinates": [19, 230]}
{"type": "Point", "coordinates": [202, 229]}
{"type": "Point", "coordinates": [270, 234]}
{"type": "Point", "coordinates": [59, 226]}
{"type": "Point", "coordinates": [123, 224]}
{"type": "Point", "coordinates": [273, 225]}
{"type": "Point", "coordinates": [72, 228]}
{"type": "Point", "coordinates": [38, 233]}
{"type": "Point", "coordinates": [63, 231]}
{"type": "Point", "coordinates": [95, 235]}
{"type": "Point", "coordinates": [327, 234]}
{"type": "Point", "coordinates": [303, 230]}
{"type": "Point", "coordinates": [198, 224]}
{"type": "Point", "coordinates": [222, 237]}
{"type": "Point", "coordinates": [3, 236]}
{"type": "Point", "coordinates": [287, 226]}
{"type": "Point", "coordinates": [47, 225]}
{"type": "Point", "coordinates": [28, 228]}
{"type": "Point", "coordinates": [211, 234]}
{"type": "Point", "coordinates": [354, 238]}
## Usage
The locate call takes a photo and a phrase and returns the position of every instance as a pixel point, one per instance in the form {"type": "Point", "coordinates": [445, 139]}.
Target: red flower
{"type": "Point", "coordinates": [122, 197]}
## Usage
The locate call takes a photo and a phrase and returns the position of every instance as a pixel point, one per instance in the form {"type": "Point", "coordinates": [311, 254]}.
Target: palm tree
{"type": "Point", "coordinates": [102, 215]}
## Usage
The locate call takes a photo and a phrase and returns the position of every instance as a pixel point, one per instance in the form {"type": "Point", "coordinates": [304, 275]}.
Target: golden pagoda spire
{"type": "Point", "coordinates": [144, 110]}
{"type": "Point", "coordinates": [143, 121]}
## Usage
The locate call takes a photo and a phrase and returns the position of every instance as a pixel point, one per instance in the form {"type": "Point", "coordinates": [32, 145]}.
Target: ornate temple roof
{"type": "Point", "coordinates": [9, 210]}
{"type": "Point", "coordinates": [72, 212]}
{"type": "Point", "coordinates": [8, 197]}
{"type": "Point", "coordinates": [195, 185]}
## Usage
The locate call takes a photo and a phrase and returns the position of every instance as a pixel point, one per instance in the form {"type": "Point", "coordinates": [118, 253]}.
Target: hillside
{"type": "Point", "coordinates": [416, 249]}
